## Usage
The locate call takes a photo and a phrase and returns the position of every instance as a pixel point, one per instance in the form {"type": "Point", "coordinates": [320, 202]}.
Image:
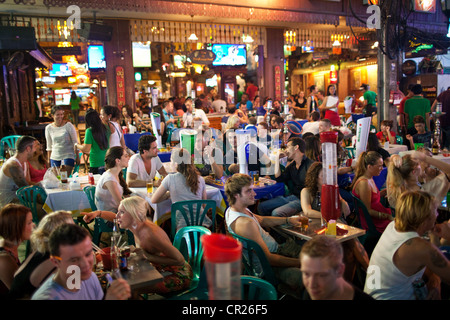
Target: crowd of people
{"type": "Point", "coordinates": [403, 211]}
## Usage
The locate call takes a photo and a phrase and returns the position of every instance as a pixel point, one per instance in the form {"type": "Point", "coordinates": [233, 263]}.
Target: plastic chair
{"type": "Point", "coordinates": [28, 196]}
{"type": "Point", "coordinates": [351, 152]}
{"type": "Point", "coordinates": [254, 288]}
{"type": "Point", "coordinates": [100, 224]}
{"type": "Point", "coordinates": [370, 239]}
{"type": "Point", "coordinates": [255, 261]}
{"type": "Point", "coordinates": [193, 213]}
{"type": "Point", "coordinates": [10, 141]}
{"type": "Point", "coordinates": [187, 241]}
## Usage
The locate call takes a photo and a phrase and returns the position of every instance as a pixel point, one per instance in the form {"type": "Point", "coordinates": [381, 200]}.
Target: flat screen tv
{"type": "Point", "coordinates": [142, 55]}
{"type": "Point", "coordinates": [230, 54]}
{"type": "Point", "coordinates": [60, 70]}
{"type": "Point", "coordinates": [96, 57]}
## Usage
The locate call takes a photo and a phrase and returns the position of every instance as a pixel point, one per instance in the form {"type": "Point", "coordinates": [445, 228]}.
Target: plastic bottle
{"type": "Point", "coordinates": [223, 266]}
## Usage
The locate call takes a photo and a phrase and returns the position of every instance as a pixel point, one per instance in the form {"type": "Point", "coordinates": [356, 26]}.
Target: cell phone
{"type": "Point", "coordinates": [269, 104]}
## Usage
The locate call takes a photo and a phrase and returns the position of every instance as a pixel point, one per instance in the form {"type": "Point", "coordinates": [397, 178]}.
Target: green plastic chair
{"type": "Point", "coordinates": [193, 212]}
{"type": "Point", "coordinates": [28, 196]}
{"type": "Point", "coordinates": [255, 261]}
{"type": "Point", "coordinates": [100, 224]}
{"type": "Point", "coordinates": [187, 241]}
{"type": "Point", "coordinates": [10, 141]}
{"type": "Point", "coordinates": [370, 239]}
{"type": "Point", "coordinates": [254, 288]}
{"type": "Point", "coordinates": [351, 152]}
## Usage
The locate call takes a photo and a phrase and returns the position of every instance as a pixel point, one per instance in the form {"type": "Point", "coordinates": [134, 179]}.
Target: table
{"type": "Point", "coordinates": [132, 140]}
{"type": "Point", "coordinates": [441, 156]}
{"type": "Point", "coordinates": [163, 209]}
{"type": "Point", "coordinates": [141, 273]}
{"type": "Point", "coordinates": [63, 198]}
{"type": "Point", "coordinates": [396, 148]}
{"type": "Point", "coordinates": [315, 224]}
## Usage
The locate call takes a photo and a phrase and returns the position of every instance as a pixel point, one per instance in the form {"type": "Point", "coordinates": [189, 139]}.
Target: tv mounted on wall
{"type": "Point", "coordinates": [230, 54]}
{"type": "Point", "coordinates": [142, 55]}
{"type": "Point", "coordinates": [60, 70]}
{"type": "Point", "coordinates": [96, 57]}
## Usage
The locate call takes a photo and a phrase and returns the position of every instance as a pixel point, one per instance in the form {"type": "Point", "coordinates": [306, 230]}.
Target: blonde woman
{"type": "Point", "coordinates": [153, 243]}
{"type": "Point", "coordinates": [38, 267]}
{"type": "Point", "coordinates": [402, 254]}
{"type": "Point", "coordinates": [403, 173]}
{"type": "Point", "coordinates": [234, 122]}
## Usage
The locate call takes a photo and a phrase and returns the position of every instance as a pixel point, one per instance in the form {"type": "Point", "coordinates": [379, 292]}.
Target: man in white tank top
{"type": "Point", "coordinates": [402, 256]}
{"type": "Point", "coordinates": [241, 221]}
{"type": "Point", "coordinates": [12, 173]}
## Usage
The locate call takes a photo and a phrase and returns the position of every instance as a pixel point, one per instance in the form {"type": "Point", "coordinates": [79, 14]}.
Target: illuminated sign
{"type": "Point", "coordinates": [428, 6]}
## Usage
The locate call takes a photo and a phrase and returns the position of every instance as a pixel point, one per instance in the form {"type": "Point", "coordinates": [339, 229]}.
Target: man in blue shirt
{"type": "Point", "coordinates": [246, 101]}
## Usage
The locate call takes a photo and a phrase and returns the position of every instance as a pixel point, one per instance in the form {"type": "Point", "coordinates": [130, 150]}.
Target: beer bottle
{"type": "Point", "coordinates": [435, 147]}
{"type": "Point", "coordinates": [179, 123]}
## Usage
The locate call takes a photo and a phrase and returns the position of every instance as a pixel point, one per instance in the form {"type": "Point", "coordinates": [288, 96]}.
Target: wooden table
{"type": "Point", "coordinates": [141, 274]}
{"type": "Point", "coordinates": [315, 225]}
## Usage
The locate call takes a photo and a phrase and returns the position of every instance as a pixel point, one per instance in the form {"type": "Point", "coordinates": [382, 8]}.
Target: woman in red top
{"type": "Point", "coordinates": [330, 106]}
{"type": "Point", "coordinates": [37, 167]}
{"type": "Point", "coordinates": [363, 187]}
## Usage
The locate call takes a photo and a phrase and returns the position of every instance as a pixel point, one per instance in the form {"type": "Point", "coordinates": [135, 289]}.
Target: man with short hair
{"type": "Point", "coordinates": [422, 136]}
{"type": "Point", "coordinates": [71, 250]}
{"type": "Point", "coordinates": [322, 267]}
{"type": "Point", "coordinates": [294, 177]}
{"type": "Point", "coordinates": [252, 90]}
{"type": "Point", "coordinates": [193, 115]}
{"type": "Point", "coordinates": [168, 115]}
{"type": "Point", "coordinates": [245, 101]}
{"type": "Point", "coordinates": [313, 123]}
{"type": "Point", "coordinates": [143, 166]}
{"type": "Point", "coordinates": [370, 101]}
{"type": "Point", "coordinates": [219, 105]}
{"type": "Point", "coordinates": [324, 125]}
{"type": "Point", "coordinates": [417, 105]}
{"type": "Point", "coordinates": [13, 171]}
{"type": "Point", "coordinates": [241, 221]}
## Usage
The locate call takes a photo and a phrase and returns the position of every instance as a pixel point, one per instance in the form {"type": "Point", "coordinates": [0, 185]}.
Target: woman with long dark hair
{"type": "Point", "coordinates": [111, 186]}
{"type": "Point", "coordinates": [96, 142]}
{"type": "Point", "coordinates": [363, 187]}
{"type": "Point", "coordinates": [330, 106]}
{"type": "Point", "coordinates": [16, 226]}
{"type": "Point", "coordinates": [310, 194]}
{"type": "Point", "coordinates": [186, 184]}
{"type": "Point", "coordinates": [110, 116]}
